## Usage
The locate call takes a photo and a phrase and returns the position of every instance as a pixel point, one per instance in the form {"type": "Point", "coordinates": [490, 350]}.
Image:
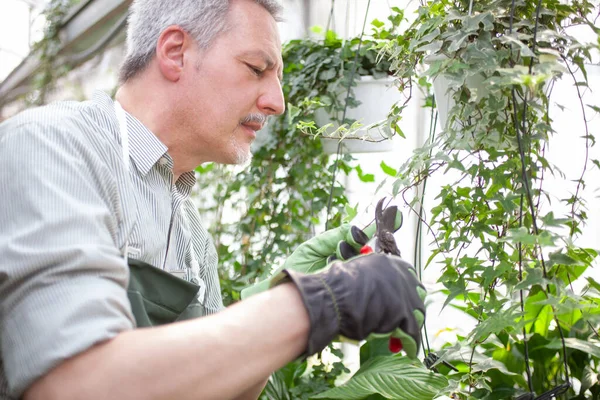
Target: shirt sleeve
{"type": "Point", "coordinates": [62, 277]}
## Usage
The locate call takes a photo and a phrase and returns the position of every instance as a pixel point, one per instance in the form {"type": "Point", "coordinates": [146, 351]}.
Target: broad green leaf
{"type": "Point", "coordinates": [533, 310]}
{"type": "Point", "coordinates": [374, 347]}
{"type": "Point", "coordinates": [395, 377]}
{"type": "Point", "coordinates": [588, 379]}
{"type": "Point", "coordinates": [591, 347]}
{"type": "Point", "coordinates": [543, 320]}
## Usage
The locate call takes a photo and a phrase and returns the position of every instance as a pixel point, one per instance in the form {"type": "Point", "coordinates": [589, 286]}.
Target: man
{"type": "Point", "coordinates": [97, 209]}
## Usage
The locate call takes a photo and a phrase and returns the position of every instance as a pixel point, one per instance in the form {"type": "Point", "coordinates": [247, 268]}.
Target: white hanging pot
{"type": "Point", "coordinates": [376, 96]}
{"type": "Point", "coordinates": [444, 93]}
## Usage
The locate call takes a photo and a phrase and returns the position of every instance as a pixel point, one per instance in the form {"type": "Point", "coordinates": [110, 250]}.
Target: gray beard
{"type": "Point", "coordinates": [241, 156]}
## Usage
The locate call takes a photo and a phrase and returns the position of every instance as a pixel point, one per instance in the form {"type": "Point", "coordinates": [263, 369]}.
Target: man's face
{"type": "Point", "coordinates": [233, 87]}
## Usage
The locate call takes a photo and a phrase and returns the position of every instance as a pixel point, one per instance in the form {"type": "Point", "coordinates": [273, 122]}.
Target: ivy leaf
{"type": "Point", "coordinates": [395, 377]}
{"type": "Point", "coordinates": [364, 177]}
{"type": "Point", "coordinates": [549, 220]}
{"type": "Point", "coordinates": [563, 259]}
{"type": "Point", "coordinates": [534, 276]}
{"type": "Point", "coordinates": [525, 51]}
{"type": "Point", "coordinates": [499, 322]}
{"type": "Point", "coordinates": [327, 74]}
{"type": "Point", "coordinates": [351, 212]}
{"type": "Point", "coordinates": [490, 363]}
{"type": "Point", "coordinates": [388, 170]}
{"type": "Point", "coordinates": [377, 23]}
{"type": "Point", "coordinates": [522, 235]}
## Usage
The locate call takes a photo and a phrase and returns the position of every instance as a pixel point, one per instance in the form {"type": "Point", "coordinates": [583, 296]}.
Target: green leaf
{"type": "Point", "coordinates": [588, 379]}
{"type": "Point", "coordinates": [327, 74]}
{"type": "Point", "coordinates": [521, 235]}
{"type": "Point", "coordinates": [549, 220]}
{"type": "Point", "coordinates": [351, 212]}
{"type": "Point", "coordinates": [543, 320]}
{"type": "Point", "coordinates": [377, 23]}
{"type": "Point", "coordinates": [594, 284]}
{"type": "Point", "coordinates": [395, 377]}
{"type": "Point", "coordinates": [388, 170]}
{"type": "Point", "coordinates": [364, 177]}
{"type": "Point", "coordinates": [561, 258]}
{"type": "Point", "coordinates": [374, 347]}
{"type": "Point", "coordinates": [490, 363]}
{"type": "Point", "coordinates": [589, 347]}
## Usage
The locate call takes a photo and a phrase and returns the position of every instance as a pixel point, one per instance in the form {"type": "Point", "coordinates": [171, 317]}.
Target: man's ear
{"type": "Point", "coordinates": [170, 49]}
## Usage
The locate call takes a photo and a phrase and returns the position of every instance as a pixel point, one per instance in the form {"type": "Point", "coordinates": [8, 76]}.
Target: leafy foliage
{"type": "Point", "coordinates": [392, 377]}
{"type": "Point", "coordinates": [492, 237]}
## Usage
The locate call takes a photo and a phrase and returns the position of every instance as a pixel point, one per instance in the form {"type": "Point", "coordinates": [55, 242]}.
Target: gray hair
{"type": "Point", "coordinates": [204, 20]}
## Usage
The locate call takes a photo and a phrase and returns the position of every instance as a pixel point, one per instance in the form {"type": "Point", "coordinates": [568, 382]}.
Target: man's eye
{"type": "Point", "coordinates": [257, 71]}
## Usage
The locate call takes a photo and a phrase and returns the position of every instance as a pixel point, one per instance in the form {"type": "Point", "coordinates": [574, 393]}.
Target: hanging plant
{"type": "Point", "coordinates": [508, 260]}
{"type": "Point", "coordinates": [47, 50]}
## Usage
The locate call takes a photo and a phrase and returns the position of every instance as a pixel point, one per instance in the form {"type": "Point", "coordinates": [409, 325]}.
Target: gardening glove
{"type": "Point", "coordinates": [340, 243]}
{"type": "Point", "coordinates": [372, 294]}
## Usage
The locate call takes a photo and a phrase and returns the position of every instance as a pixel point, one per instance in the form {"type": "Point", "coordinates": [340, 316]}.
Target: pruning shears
{"type": "Point", "coordinates": [383, 241]}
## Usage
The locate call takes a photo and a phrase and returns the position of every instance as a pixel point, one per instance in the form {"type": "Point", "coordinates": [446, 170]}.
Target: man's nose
{"type": "Point", "coordinates": [271, 101]}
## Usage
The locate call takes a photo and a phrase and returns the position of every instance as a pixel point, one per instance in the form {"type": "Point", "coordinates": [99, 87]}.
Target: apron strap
{"type": "Point", "coordinates": [156, 296]}
{"type": "Point", "coordinates": [122, 119]}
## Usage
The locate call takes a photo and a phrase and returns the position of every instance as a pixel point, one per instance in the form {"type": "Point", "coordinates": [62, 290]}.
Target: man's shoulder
{"type": "Point", "coordinates": [52, 113]}
{"type": "Point", "coordinates": [71, 121]}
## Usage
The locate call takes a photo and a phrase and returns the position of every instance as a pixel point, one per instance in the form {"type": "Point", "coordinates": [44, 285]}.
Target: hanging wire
{"type": "Point", "coordinates": [330, 19]}
{"type": "Point", "coordinates": [525, 341]}
{"type": "Point", "coordinates": [351, 79]}
{"type": "Point", "coordinates": [419, 233]}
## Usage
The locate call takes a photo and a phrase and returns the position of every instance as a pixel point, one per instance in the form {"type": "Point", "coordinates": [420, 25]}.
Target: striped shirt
{"type": "Point", "coordinates": [69, 211]}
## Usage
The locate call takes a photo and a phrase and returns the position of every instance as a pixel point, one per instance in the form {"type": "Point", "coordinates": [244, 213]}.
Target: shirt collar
{"type": "Point", "coordinates": [145, 149]}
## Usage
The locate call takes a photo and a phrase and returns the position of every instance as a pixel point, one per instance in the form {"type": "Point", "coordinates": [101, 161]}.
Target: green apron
{"type": "Point", "coordinates": [156, 296]}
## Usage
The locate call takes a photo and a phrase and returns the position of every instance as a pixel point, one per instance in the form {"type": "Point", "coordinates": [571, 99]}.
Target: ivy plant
{"type": "Point", "coordinates": [508, 260]}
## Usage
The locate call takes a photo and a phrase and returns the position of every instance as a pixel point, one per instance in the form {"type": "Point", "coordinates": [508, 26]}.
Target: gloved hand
{"type": "Point", "coordinates": [340, 243]}
{"type": "Point", "coordinates": [371, 294]}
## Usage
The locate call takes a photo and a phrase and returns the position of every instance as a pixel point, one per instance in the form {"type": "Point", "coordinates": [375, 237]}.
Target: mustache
{"type": "Point", "coordinates": [260, 118]}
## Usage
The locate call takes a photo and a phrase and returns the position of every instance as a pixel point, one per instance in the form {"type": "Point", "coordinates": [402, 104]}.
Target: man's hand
{"type": "Point", "coordinates": [340, 243]}
{"type": "Point", "coordinates": [372, 294]}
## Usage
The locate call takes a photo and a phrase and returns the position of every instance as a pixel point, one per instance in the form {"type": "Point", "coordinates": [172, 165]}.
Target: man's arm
{"type": "Point", "coordinates": [216, 357]}
{"type": "Point", "coordinates": [254, 391]}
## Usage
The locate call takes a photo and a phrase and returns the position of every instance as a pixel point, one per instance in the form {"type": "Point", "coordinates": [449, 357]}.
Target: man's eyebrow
{"type": "Point", "coordinates": [266, 58]}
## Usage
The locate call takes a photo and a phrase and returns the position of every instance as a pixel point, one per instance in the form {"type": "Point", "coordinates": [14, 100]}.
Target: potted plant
{"type": "Point", "coordinates": [353, 91]}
